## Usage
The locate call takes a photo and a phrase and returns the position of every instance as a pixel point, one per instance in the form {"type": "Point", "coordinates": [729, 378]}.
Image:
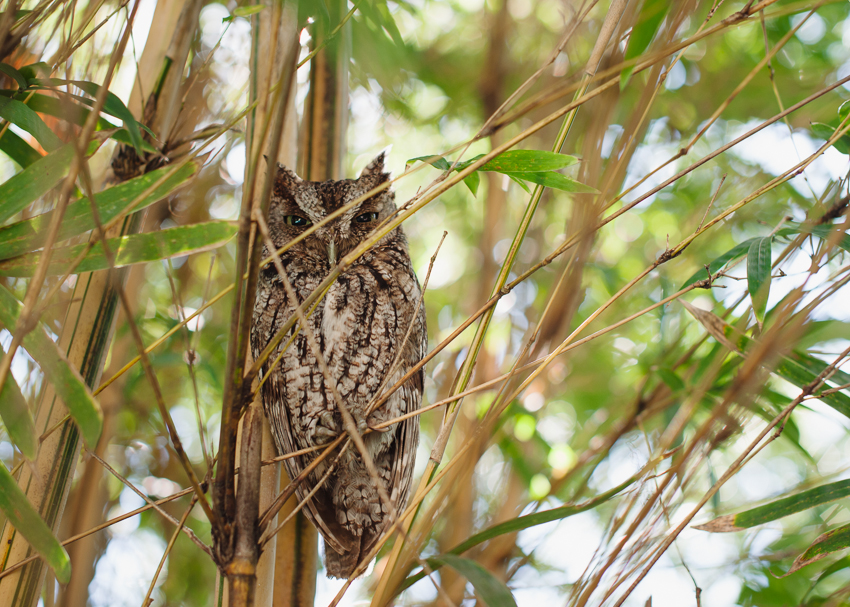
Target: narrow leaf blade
{"type": "Point", "coordinates": [24, 518]}
{"type": "Point", "coordinates": [23, 236]}
{"type": "Point", "coordinates": [128, 250]}
{"type": "Point", "coordinates": [758, 275]}
{"type": "Point", "coordinates": [717, 264]}
{"type": "Point", "coordinates": [491, 589]}
{"type": "Point", "coordinates": [66, 380]}
{"type": "Point", "coordinates": [551, 179]}
{"type": "Point", "coordinates": [24, 117]}
{"type": "Point", "coordinates": [831, 541]}
{"type": "Point", "coordinates": [529, 161]}
{"type": "Point", "coordinates": [17, 417]}
{"type": "Point", "coordinates": [778, 508]}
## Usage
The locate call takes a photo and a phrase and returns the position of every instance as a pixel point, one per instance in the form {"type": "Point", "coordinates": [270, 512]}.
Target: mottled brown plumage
{"type": "Point", "coordinates": [360, 327]}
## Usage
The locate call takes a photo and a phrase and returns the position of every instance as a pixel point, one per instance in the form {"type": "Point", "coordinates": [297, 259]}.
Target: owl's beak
{"type": "Point", "coordinates": [332, 252]}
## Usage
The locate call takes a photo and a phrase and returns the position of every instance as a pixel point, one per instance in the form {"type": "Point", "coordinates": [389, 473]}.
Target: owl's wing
{"type": "Point", "coordinates": [408, 399]}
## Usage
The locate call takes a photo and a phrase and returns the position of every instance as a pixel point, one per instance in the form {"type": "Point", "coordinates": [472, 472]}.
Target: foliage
{"type": "Point", "coordinates": [634, 333]}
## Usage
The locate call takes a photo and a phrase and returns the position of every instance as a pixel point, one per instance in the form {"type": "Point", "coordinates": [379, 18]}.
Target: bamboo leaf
{"type": "Point", "coordinates": [797, 368]}
{"type": "Point", "coordinates": [651, 15]}
{"type": "Point", "coordinates": [112, 105]}
{"type": "Point", "coordinates": [831, 541]}
{"type": "Point", "coordinates": [28, 523]}
{"type": "Point", "coordinates": [437, 162]}
{"type": "Point", "coordinates": [824, 232]}
{"type": "Point", "coordinates": [24, 117]}
{"type": "Point", "coordinates": [14, 74]}
{"type": "Point", "coordinates": [758, 275]}
{"type": "Point", "coordinates": [472, 181]}
{"type": "Point", "coordinates": [825, 131]}
{"type": "Point", "coordinates": [778, 508]}
{"type": "Point", "coordinates": [24, 236]}
{"type": "Point", "coordinates": [128, 250]}
{"type": "Point", "coordinates": [715, 266]}
{"type": "Point", "coordinates": [524, 522]}
{"type": "Point", "coordinates": [17, 417]}
{"type": "Point", "coordinates": [17, 149]}
{"type": "Point", "coordinates": [492, 590]}
{"type": "Point", "coordinates": [554, 180]}
{"type": "Point", "coordinates": [66, 380]}
{"type": "Point", "coordinates": [528, 161]}
{"type": "Point", "coordinates": [36, 180]}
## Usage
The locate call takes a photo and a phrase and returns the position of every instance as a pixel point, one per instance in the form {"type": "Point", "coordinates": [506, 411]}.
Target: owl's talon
{"type": "Point", "coordinates": [381, 430]}
{"type": "Point", "coordinates": [322, 435]}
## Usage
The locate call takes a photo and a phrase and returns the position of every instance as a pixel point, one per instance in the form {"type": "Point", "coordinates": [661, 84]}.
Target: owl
{"type": "Point", "coordinates": [370, 335]}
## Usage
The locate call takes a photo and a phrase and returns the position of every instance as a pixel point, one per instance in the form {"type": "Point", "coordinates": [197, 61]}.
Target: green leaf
{"type": "Point", "coordinates": [673, 381]}
{"type": "Point", "coordinates": [24, 236]}
{"type": "Point", "coordinates": [25, 520]}
{"type": "Point", "coordinates": [651, 15]}
{"type": "Point", "coordinates": [65, 379]}
{"type": "Point", "coordinates": [528, 161]}
{"type": "Point", "coordinates": [112, 105]}
{"type": "Point", "coordinates": [35, 70]}
{"type": "Point", "coordinates": [17, 417]}
{"type": "Point", "coordinates": [437, 162]}
{"type": "Point", "coordinates": [824, 232]}
{"type": "Point", "coordinates": [20, 115]}
{"type": "Point", "coordinates": [715, 266]}
{"type": "Point", "coordinates": [778, 508]}
{"type": "Point", "coordinates": [17, 149]}
{"type": "Point", "coordinates": [798, 369]}
{"type": "Point", "coordinates": [472, 181]}
{"type": "Point", "coordinates": [831, 541]}
{"type": "Point", "coordinates": [758, 275]}
{"type": "Point", "coordinates": [247, 11]}
{"type": "Point", "coordinates": [33, 182]}
{"type": "Point", "coordinates": [521, 183]}
{"type": "Point", "coordinates": [492, 590]}
{"type": "Point", "coordinates": [825, 131]}
{"type": "Point", "coordinates": [554, 180]}
{"type": "Point", "coordinates": [128, 250]}
{"type": "Point", "coordinates": [14, 74]}
{"type": "Point", "coordinates": [524, 522]}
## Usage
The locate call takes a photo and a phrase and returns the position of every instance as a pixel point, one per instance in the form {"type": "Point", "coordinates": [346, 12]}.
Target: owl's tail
{"type": "Point", "coordinates": [341, 565]}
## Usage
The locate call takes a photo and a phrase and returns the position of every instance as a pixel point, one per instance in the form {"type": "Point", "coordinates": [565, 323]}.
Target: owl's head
{"type": "Point", "coordinates": [297, 204]}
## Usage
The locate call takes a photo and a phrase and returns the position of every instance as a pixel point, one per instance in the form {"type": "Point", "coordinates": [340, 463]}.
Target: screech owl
{"type": "Point", "coordinates": [360, 327]}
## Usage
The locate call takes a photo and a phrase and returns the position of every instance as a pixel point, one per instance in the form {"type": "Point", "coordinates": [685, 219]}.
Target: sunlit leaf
{"type": "Point", "coordinates": [524, 522]}
{"type": "Point", "coordinates": [17, 417]}
{"type": "Point", "coordinates": [27, 522]}
{"type": "Point", "coordinates": [528, 161]}
{"type": "Point", "coordinates": [831, 541]}
{"type": "Point", "coordinates": [824, 232]}
{"type": "Point", "coordinates": [128, 250]}
{"type": "Point", "coordinates": [28, 235]}
{"type": "Point", "coordinates": [651, 15]}
{"type": "Point", "coordinates": [491, 589]}
{"type": "Point", "coordinates": [825, 131]}
{"type": "Point", "coordinates": [554, 180]}
{"type": "Point", "coordinates": [66, 380]}
{"type": "Point", "coordinates": [24, 117]}
{"type": "Point", "coordinates": [778, 508]}
{"type": "Point", "coordinates": [33, 182]}
{"type": "Point", "coordinates": [247, 11]}
{"type": "Point", "coordinates": [17, 149]}
{"type": "Point", "coordinates": [758, 274]}
{"type": "Point", "coordinates": [14, 74]}
{"type": "Point", "coordinates": [796, 368]}
{"type": "Point", "coordinates": [472, 180]}
{"type": "Point", "coordinates": [717, 264]}
{"type": "Point", "coordinates": [112, 105]}
{"type": "Point", "coordinates": [437, 162]}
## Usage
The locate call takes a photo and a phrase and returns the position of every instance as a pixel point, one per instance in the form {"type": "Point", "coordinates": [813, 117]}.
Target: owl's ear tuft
{"type": "Point", "coordinates": [286, 176]}
{"type": "Point", "coordinates": [375, 169]}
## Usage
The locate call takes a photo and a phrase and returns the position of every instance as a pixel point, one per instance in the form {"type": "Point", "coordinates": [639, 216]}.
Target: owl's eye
{"type": "Point", "coordinates": [297, 221]}
{"type": "Point", "coordinates": [366, 217]}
